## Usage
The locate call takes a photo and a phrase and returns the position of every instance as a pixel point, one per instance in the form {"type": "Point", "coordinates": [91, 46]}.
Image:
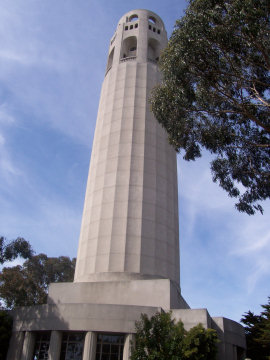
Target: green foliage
{"type": "Point", "coordinates": [28, 284]}
{"type": "Point", "coordinates": [257, 329]}
{"type": "Point", "coordinates": [215, 93]}
{"type": "Point", "coordinates": [161, 338]}
{"type": "Point", "coordinates": [158, 338]}
{"type": "Point", "coordinates": [200, 344]}
{"type": "Point", "coordinates": [13, 249]}
{"type": "Point", "coordinates": [5, 332]}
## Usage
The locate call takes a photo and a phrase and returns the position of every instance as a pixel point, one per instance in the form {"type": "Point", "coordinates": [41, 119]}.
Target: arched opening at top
{"type": "Point", "coordinates": [133, 17]}
{"type": "Point", "coordinates": [129, 47]}
{"type": "Point", "coordinates": [153, 50]}
{"type": "Point", "coordinates": [152, 19]}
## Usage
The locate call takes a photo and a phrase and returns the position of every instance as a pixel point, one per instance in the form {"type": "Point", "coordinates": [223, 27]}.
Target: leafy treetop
{"type": "Point", "coordinates": [28, 284]}
{"type": "Point", "coordinates": [215, 93]}
{"type": "Point", "coordinates": [11, 250]}
{"type": "Point", "coordinates": [257, 329]}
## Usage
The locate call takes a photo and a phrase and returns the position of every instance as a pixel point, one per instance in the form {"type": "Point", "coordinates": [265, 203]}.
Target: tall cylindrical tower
{"type": "Point", "coordinates": [130, 217]}
{"type": "Point", "coordinates": [128, 256]}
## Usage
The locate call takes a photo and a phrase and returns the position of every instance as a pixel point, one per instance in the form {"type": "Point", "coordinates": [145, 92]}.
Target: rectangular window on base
{"type": "Point", "coordinates": [110, 346]}
{"type": "Point", "coordinates": [42, 344]}
{"type": "Point", "coordinates": [72, 346]}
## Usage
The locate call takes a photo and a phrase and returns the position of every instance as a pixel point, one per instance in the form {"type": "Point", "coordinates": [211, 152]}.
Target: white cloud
{"type": "Point", "coordinates": [11, 56]}
{"type": "Point", "coordinates": [9, 172]}
{"type": "Point", "coordinates": [252, 243]}
{"type": "Point", "coordinates": [223, 249]}
{"type": "Point", "coordinates": [8, 55]}
{"type": "Point", "coordinates": [6, 118]}
{"type": "Point", "coordinates": [200, 195]}
{"type": "Point", "coordinates": [7, 167]}
{"type": "Point", "coordinates": [261, 268]}
{"type": "Point", "coordinates": [254, 238]}
{"type": "Point", "coordinates": [196, 185]}
{"type": "Point", "coordinates": [50, 225]}
{"type": "Point", "coordinates": [2, 140]}
{"type": "Point", "coordinates": [46, 69]}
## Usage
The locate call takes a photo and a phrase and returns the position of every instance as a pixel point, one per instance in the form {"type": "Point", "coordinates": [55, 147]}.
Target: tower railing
{"type": "Point", "coordinates": [128, 58]}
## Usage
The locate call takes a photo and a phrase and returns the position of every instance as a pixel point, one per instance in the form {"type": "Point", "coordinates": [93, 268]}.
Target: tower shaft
{"type": "Point", "coordinates": [130, 216]}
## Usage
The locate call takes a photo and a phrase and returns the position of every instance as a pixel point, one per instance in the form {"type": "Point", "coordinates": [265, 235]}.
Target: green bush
{"type": "Point", "coordinates": [162, 338]}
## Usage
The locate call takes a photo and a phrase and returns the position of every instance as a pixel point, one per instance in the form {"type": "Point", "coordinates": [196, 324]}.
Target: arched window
{"type": "Point", "coordinates": [110, 60]}
{"type": "Point", "coordinates": [153, 50]}
{"type": "Point", "coordinates": [152, 19]}
{"type": "Point", "coordinates": [133, 17]}
{"type": "Point", "coordinates": [129, 47]}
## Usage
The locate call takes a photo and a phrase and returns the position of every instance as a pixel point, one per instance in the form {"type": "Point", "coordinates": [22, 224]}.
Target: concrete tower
{"type": "Point", "coordinates": [128, 255]}
{"type": "Point", "coordinates": [130, 216]}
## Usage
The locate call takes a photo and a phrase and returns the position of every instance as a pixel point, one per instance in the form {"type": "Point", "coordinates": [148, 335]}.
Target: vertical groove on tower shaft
{"type": "Point", "coordinates": [130, 218]}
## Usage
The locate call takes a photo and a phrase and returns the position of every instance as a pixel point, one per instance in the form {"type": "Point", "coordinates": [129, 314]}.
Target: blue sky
{"type": "Point", "coordinates": [52, 62]}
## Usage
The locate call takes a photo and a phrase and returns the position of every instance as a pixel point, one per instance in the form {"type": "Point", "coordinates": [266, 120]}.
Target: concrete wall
{"type": "Point", "coordinates": [114, 318]}
{"type": "Point", "coordinates": [232, 342]}
{"type": "Point", "coordinates": [156, 292]}
{"type": "Point", "coordinates": [192, 317]}
{"type": "Point", "coordinates": [232, 337]}
{"type": "Point", "coordinates": [80, 317]}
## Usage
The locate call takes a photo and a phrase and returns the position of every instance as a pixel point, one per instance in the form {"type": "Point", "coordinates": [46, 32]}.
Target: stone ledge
{"type": "Point", "coordinates": [155, 293]}
{"type": "Point", "coordinates": [80, 317]}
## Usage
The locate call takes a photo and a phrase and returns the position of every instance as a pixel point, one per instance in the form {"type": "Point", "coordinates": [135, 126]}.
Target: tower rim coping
{"type": "Point", "coordinates": [123, 17]}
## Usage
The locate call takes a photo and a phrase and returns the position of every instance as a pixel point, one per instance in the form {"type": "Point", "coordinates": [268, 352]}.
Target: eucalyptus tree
{"type": "Point", "coordinates": [215, 93]}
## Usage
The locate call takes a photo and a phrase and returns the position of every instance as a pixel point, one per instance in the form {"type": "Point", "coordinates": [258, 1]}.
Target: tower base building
{"type": "Point", "coordinates": [128, 255]}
